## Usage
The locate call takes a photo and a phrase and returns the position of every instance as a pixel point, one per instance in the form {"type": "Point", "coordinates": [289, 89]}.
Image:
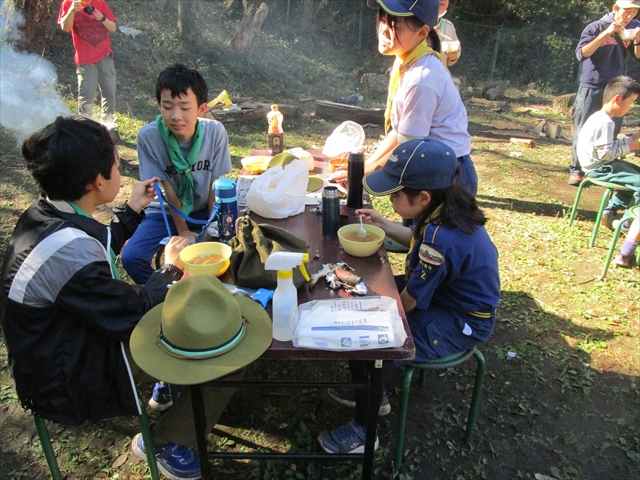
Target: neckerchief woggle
{"type": "Point", "coordinates": [112, 254]}
{"type": "Point", "coordinates": [400, 66]}
{"type": "Point", "coordinates": [185, 192]}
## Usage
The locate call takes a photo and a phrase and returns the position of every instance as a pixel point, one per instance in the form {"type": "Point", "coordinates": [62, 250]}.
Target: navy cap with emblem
{"type": "Point", "coordinates": [419, 164]}
{"type": "Point", "coordinates": [424, 10]}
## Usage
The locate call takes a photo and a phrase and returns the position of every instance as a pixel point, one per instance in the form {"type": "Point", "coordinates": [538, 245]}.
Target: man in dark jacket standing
{"type": "Point", "coordinates": [66, 315]}
{"type": "Point", "coordinates": [602, 49]}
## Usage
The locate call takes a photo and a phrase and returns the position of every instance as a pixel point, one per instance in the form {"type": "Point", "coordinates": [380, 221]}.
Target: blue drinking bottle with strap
{"type": "Point", "coordinates": [227, 199]}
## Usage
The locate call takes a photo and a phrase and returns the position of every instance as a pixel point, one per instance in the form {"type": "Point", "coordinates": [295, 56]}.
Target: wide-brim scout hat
{"type": "Point", "coordinates": [419, 164]}
{"type": "Point", "coordinates": [199, 333]}
{"type": "Point", "coordinates": [424, 10]}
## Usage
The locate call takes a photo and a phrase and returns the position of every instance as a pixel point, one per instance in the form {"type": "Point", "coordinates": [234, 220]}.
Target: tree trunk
{"type": "Point", "coordinates": [307, 14]}
{"type": "Point", "coordinates": [250, 25]}
{"type": "Point", "coordinates": [39, 23]}
{"type": "Point", "coordinates": [187, 13]}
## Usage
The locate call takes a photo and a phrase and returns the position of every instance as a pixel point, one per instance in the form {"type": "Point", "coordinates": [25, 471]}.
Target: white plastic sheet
{"type": "Point", "coordinates": [362, 323]}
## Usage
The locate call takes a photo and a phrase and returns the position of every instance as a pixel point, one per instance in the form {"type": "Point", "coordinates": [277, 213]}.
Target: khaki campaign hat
{"type": "Point", "coordinates": [199, 333]}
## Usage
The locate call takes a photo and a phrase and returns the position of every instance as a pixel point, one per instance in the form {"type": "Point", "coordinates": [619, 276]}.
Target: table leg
{"type": "Point", "coordinates": [200, 423]}
{"type": "Point", "coordinates": [374, 397]}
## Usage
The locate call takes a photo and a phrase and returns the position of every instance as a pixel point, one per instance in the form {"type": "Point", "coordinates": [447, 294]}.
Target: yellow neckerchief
{"type": "Point", "coordinates": [422, 228]}
{"type": "Point", "coordinates": [400, 66]}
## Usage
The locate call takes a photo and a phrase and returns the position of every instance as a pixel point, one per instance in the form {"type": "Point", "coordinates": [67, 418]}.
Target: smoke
{"type": "Point", "coordinates": [28, 96]}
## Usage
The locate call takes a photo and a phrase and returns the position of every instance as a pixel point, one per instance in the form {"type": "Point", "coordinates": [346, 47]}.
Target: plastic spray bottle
{"type": "Point", "coordinates": [285, 298]}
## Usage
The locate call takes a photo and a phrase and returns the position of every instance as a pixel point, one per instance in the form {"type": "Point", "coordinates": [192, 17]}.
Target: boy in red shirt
{"type": "Point", "coordinates": [90, 22]}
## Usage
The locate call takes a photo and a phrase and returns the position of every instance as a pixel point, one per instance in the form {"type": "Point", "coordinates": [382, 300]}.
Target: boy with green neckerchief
{"type": "Point", "coordinates": [187, 153]}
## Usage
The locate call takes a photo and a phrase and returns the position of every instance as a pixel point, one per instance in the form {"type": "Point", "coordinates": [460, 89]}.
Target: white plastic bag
{"type": "Point", "coordinates": [347, 324]}
{"type": "Point", "coordinates": [278, 192]}
{"type": "Point", "coordinates": [346, 137]}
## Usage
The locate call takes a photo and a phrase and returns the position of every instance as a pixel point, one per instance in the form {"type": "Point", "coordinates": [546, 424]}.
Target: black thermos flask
{"type": "Point", "coordinates": [330, 212]}
{"type": "Point", "coordinates": [354, 182]}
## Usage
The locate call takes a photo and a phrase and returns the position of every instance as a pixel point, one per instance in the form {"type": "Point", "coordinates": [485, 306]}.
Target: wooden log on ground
{"type": "Point", "coordinates": [339, 112]}
{"type": "Point", "coordinates": [563, 103]}
{"type": "Point", "coordinates": [250, 112]}
{"type": "Point", "coordinates": [374, 83]}
{"type": "Point", "coordinates": [527, 142]}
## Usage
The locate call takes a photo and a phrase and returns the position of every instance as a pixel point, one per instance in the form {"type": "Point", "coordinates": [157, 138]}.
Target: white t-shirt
{"type": "Point", "coordinates": [214, 161]}
{"type": "Point", "coordinates": [427, 103]}
{"type": "Point", "coordinates": [447, 33]}
{"type": "Point", "coordinates": [596, 144]}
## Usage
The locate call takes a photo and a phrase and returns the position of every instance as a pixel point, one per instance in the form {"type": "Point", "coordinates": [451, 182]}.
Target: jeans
{"type": "Point", "coordinates": [142, 246]}
{"type": "Point", "coordinates": [587, 102]}
{"type": "Point", "coordinates": [468, 177]}
{"type": "Point", "coordinates": [101, 74]}
{"type": "Point", "coordinates": [621, 173]}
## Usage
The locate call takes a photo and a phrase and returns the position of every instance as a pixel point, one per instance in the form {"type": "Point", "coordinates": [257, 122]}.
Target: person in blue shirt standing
{"type": "Point", "coordinates": [602, 49]}
{"type": "Point", "coordinates": [451, 287]}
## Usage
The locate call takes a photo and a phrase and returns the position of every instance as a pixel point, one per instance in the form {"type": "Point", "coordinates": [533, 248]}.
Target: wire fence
{"type": "Point", "coordinates": [523, 56]}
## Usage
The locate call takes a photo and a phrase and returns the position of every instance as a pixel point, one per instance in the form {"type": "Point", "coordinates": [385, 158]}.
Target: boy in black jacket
{"type": "Point", "coordinates": [66, 315]}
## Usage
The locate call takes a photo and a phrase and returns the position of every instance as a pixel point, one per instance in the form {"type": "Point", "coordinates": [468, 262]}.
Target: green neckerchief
{"type": "Point", "coordinates": [185, 192]}
{"type": "Point", "coordinates": [114, 270]}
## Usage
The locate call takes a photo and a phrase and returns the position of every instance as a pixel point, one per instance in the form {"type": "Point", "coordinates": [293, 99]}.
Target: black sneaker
{"type": "Point", "coordinates": [347, 397]}
{"type": "Point", "coordinates": [609, 215]}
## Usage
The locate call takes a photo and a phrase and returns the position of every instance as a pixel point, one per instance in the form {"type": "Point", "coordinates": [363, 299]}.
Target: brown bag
{"type": "Point", "coordinates": [252, 245]}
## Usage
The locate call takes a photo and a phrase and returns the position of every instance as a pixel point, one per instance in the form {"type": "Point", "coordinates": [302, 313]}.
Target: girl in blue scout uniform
{"type": "Point", "coordinates": [451, 286]}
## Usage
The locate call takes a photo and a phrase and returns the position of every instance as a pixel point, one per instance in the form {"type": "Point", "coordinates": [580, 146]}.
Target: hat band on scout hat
{"type": "Point", "coordinates": [196, 353]}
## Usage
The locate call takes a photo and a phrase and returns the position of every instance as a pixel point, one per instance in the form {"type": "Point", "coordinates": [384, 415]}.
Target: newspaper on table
{"type": "Point", "coordinates": [347, 324]}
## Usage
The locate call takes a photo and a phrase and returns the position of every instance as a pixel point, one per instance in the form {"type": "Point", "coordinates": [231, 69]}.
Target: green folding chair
{"type": "Point", "coordinates": [632, 213]}
{"type": "Point", "coordinates": [606, 196]}
{"type": "Point", "coordinates": [50, 455]}
{"type": "Point", "coordinates": [442, 363]}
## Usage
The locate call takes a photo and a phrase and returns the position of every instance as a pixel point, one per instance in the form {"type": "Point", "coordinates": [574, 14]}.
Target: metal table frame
{"type": "Point", "coordinates": [377, 274]}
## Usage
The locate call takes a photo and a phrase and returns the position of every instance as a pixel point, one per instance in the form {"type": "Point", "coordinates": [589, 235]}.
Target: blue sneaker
{"type": "Point", "coordinates": [161, 397]}
{"type": "Point", "coordinates": [176, 462]}
{"type": "Point", "coordinates": [349, 438]}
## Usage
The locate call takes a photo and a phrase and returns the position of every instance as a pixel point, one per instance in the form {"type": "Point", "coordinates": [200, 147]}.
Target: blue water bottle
{"type": "Point", "coordinates": [227, 199]}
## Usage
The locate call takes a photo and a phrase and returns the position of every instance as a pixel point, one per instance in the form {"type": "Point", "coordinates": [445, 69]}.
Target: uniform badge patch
{"type": "Point", "coordinates": [430, 255]}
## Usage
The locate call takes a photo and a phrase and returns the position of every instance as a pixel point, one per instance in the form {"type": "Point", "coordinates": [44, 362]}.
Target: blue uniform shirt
{"type": "Point", "coordinates": [455, 281]}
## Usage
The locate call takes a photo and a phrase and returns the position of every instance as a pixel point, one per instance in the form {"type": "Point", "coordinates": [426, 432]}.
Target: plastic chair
{"type": "Point", "coordinates": [442, 363]}
{"type": "Point", "coordinates": [50, 456]}
{"type": "Point", "coordinates": [632, 213]}
{"type": "Point", "coordinates": [606, 196]}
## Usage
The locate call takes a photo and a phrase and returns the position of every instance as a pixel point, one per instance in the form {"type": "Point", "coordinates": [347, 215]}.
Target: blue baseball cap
{"type": "Point", "coordinates": [419, 164]}
{"type": "Point", "coordinates": [424, 10]}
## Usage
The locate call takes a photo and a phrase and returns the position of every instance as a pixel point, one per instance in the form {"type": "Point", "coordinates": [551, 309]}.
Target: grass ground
{"type": "Point", "coordinates": [561, 394]}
